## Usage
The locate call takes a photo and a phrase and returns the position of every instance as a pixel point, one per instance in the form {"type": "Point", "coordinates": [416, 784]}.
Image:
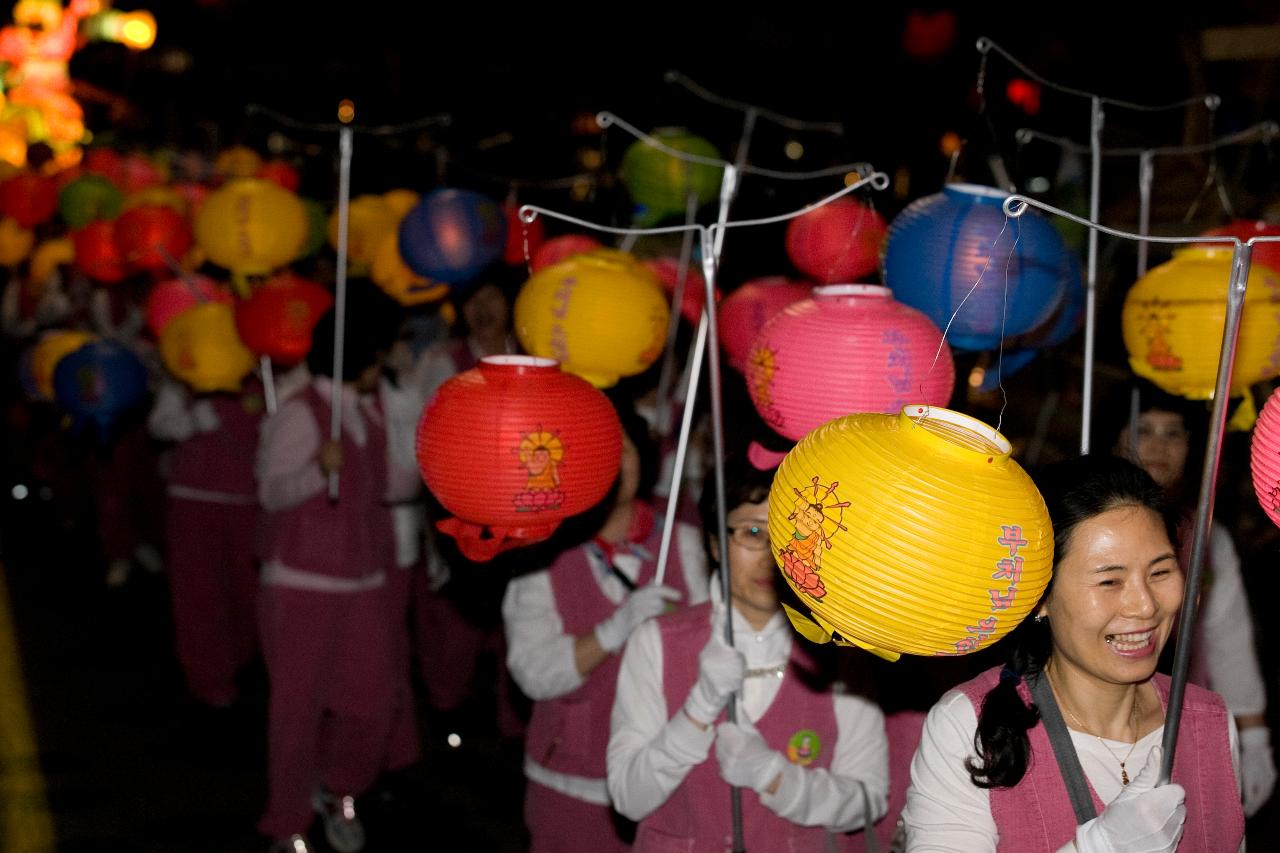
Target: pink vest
{"type": "Point", "coordinates": [350, 538]}
{"type": "Point", "coordinates": [903, 729]}
{"type": "Point", "coordinates": [570, 734]}
{"type": "Point", "coordinates": [222, 460]}
{"type": "Point", "coordinates": [1036, 813]}
{"type": "Point", "coordinates": [696, 818]}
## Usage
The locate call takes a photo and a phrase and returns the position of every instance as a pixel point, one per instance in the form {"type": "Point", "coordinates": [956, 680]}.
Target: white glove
{"type": "Point", "coordinates": [645, 603]}
{"type": "Point", "coordinates": [1142, 819]}
{"type": "Point", "coordinates": [746, 761]}
{"type": "Point", "coordinates": [206, 419]}
{"type": "Point", "coordinates": [1257, 767]}
{"type": "Point", "coordinates": [721, 669]}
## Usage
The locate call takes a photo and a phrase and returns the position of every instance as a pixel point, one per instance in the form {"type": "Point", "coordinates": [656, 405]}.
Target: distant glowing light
{"type": "Point", "coordinates": [950, 143]}
{"type": "Point", "coordinates": [454, 740]}
{"type": "Point", "coordinates": [1038, 184]}
{"type": "Point", "coordinates": [976, 376]}
{"type": "Point", "coordinates": [794, 150]}
{"type": "Point", "coordinates": [20, 492]}
{"type": "Point", "coordinates": [138, 30]}
{"type": "Point", "coordinates": [346, 111]}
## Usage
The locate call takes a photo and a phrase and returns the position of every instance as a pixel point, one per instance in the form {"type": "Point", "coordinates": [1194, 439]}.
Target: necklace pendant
{"type": "Point", "coordinates": [1124, 775]}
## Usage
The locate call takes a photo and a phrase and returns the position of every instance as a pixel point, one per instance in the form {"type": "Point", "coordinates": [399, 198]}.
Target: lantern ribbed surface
{"type": "Point", "coordinates": [912, 533]}
{"type": "Point", "coordinates": [515, 446]}
{"type": "Point", "coordinates": [742, 314]}
{"type": "Point", "coordinates": [277, 319]}
{"type": "Point", "coordinates": [602, 315]}
{"type": "Point", "coordinates": [848, 348]}
{"type": "Point", "coordinates": [1173, 318]}
{"type": "Point", "coordinates": [170, 298]}
{"type": "Point", "coordinates": [251, 226]}
{"type": "Point", "coordinates": [837, 242]}
{"type": "Point", "coordinates": [938, 247]}
{"type": "Point", "coordinates": [1264, 458]}
{"type": "Point", "coordinates": [201, 348]}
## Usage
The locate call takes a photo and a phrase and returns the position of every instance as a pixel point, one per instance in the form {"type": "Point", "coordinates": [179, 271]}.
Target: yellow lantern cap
{"type": "Point", "coordinates": [914, 533]}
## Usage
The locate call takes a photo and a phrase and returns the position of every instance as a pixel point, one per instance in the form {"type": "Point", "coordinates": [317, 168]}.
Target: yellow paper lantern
{"type": "Point", "coordinates": [200, 346]}
{"type": "Point", "coordinates": [51, 350]}
{"type": "Point", "coordinates": [402, 284]}
{"type": "Point", "coordinates": [238, 162]}
{"type": "Point", "coordinates": [602, 315]}
{"type": "Point", "coordinates": [369, 220]}
{"type": "Point", "coordinates": [1173, 318]}
{"type": "Point", "coordinates": [251, 226]}
{"type": "Point", "coordinates": [50, 255]}
{"type": "Point", "coordinates": [914, 533]}
{"type": "Point", "coordinates": [401, 201]}
{"type": "Point", "coordinates": [15, 242]}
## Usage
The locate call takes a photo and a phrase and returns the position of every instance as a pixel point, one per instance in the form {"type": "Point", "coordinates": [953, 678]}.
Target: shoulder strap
{"type": "Point", "coordinates": [1063, 749]}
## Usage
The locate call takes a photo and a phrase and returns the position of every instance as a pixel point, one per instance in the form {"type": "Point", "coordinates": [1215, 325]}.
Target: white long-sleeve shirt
{"type": "Point", "coordinates": [1225, 650]}
{"type": "Point", "coordinates": [947, 813]}
{"type": "Point", "coordinates": [540, 653]}
{"type": "Point", "coordinates": [645, 768]}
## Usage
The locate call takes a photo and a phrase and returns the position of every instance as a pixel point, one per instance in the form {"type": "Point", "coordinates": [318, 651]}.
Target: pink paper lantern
{"type": "Point", "coordinates": [849, 348]}
{"type": "Point", "coordinates": [742, 314]}
{"type": "Point", "coordinates": [1264, 458]}
{"type": "Point", "coordinates": [170, 298]}
{"type": "Point", "coordinates": [837, 242]}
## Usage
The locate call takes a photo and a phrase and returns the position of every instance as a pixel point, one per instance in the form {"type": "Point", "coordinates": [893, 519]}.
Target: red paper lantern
{"type": "Point", "coordinates": [151, 237]}
{"type": "Point", "coordinates": [512, 448]}
{"type": "Point", "coordinates": [29, 199]}
{"type": "Point", "coordinates": [1267, 254]}
{"type": "Point", "coordinates": [105, 162]}
{"type": "Point", "coordinates": [137, 172]}
{"type": "Point", "coordinates": [522, 237]}
{"type": "Point", "coordinates": [743, 313]}
{"type": "Point", "coordinates": [558, 249]}
{"type": "Point", "coordinates": [170, 298]}
{"type": "Point", "coordinates": [849, 348]}
{"type": "Point", "coordinates": [276, 321]}
{"type": "Point", "coordinates": [836, 243]}
{"type": "Point", "coordinates": [1264, 458]}
{"type": "Point", "coordinates": [280, 172]}
{"type": "Point", "coordinates": [695, 286]}
{"type": "Point", "coordinates": [96, 252]}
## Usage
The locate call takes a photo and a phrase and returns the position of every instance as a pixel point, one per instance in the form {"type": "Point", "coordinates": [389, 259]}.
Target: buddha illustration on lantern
{"type": "Point", "coordinates": [802, 556]}
{"type": "Point", "coordinates": [540, 452]}
{"type": "Point", "coordinates": [761, 368]}
{"type": "Point", "coordinates": [1159, 354]}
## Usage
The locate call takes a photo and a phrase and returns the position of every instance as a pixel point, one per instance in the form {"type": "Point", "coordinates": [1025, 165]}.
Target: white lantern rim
{"type": "Point", "coordinates": [841, 291]}
{"type": "Point", "coordinates": [978, 190]}
{"type": "Point", "coordinates": [519, 361]}
{"type": "Point", "coordinates": [965, 432]}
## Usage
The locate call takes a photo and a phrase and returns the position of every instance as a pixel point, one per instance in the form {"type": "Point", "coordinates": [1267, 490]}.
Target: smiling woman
{"type": "Point", "coordinates": [1059, 749]}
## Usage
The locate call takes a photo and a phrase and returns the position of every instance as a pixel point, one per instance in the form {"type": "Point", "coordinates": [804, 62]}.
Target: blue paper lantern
{"type": "Point", "coordinates": [99, 382]}
{"type": "Point", "coordinates": [452, 236]}
{"type": "Point", "coordinates": [939, 246]}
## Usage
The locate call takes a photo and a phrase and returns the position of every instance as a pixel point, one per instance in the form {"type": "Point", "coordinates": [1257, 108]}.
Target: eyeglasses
{"type": "Point", "coordinates": [753, 537]}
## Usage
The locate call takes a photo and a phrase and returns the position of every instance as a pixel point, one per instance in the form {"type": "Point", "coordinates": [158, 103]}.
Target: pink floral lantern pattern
{"type": "Point", "coordinates": [741, 314]}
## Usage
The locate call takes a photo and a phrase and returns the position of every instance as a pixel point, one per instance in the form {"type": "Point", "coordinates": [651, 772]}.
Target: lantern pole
{"type": "Point", "coordinates": [340, 295]}
{"type": "Point", "coordinates": [1091, 277]}
{"type": "Point", "coordinates": [1241, 261]}
{"type": "Point", "coordinates": [1146, 175]}
{"type": "Point", "coordinates": [666, 376]}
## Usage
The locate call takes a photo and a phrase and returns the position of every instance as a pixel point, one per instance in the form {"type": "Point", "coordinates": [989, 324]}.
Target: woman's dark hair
{"type": "Point", "coordinates": [1074, 490]}
{"type": "Point", "coordinates": [743, 484]}
{"type": "Point", "coordinates": [372, 324]}
{"type": "Point", "coordinates": [1116, 409]}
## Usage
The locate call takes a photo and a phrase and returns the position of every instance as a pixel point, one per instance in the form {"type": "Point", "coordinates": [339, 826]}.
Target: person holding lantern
{"type": "Point", "coordinates": [327, 635]}
{"type": "Point", "coordinates": [1059, 750]}
{"type": "Point", "coordinates": [813, 762]}
{"type": "Point", "coordinates": [1170, 430]}
{"type": "Point", "coordinates": [566, 626]}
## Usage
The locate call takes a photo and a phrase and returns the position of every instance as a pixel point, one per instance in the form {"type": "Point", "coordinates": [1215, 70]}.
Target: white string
{"type": "Point", "coordinates": [608, 119]}
{"type": "Point", "coordinates": [985, 45]}
{"type": "Point", "coordinates": [972, 290]}
{"type": "Point", "coordinates": [1265, 131]}
{"type": "Point", "coordinates": [1004, 318]}
{"type": "Point", "coordinates": [777, 118]}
